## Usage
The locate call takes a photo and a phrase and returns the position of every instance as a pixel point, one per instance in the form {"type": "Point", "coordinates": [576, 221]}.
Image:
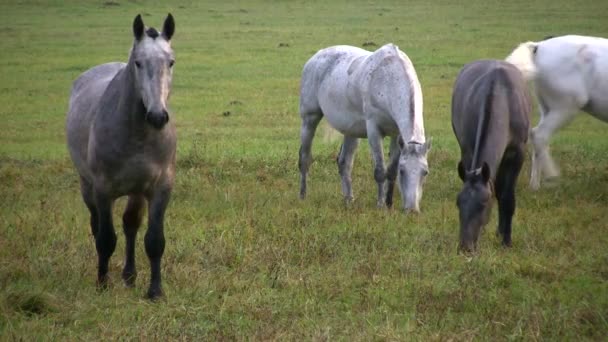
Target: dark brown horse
{"type": "Point", "coordinates": [490, 108]}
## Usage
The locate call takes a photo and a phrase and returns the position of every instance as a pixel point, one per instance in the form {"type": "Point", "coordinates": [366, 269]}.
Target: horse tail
{"type": "Point", "coordinates": [523, 58]}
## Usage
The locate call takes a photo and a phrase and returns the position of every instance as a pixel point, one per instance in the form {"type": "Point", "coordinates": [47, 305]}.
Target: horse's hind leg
{"type": "Point", "coordinates": [345, 161]}
{"type": "Point", "coordinates": [310, 121]}
{"type": "Point", "coordinates": [551, 120]}
{"type": "Point", "coordinates": [86, 189]}
{"type": "Point", "coordinates": [391, 171]}
{"type": "Point", "coordinates": [105, 239]}
{"type": "Point", "coordinates": [131, 220]}
{"type": "Point", "coordinates": [155, 238]}
{"type": "Point", "coordinates": [506, 179]}
{"type": "Point", "coordinates": [374, 137]}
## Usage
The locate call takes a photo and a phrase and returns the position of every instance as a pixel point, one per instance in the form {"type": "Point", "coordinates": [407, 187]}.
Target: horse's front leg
{"type": "Point", "coordinates": [506, 179]}
{"type": "Point", "coordinates": [131, 220]}
{"type": "Point", "coordinates": [105, 240]}
{"type": "Point", "coordinates": [155, 238]}
{"type": "Point", "coordinates": [374, 137]}
{"type": "Point", "coordinates": [345, 161]}
{"type": "Point", "coordinates": [391, 172]}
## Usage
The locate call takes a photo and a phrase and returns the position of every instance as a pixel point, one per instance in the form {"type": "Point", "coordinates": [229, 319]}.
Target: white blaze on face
{"type": "Point", "coordinates": [154, 73]}
{"type": "Point", "coordinates": [413, 169]}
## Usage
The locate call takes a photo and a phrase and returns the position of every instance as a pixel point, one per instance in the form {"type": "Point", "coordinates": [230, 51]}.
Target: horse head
{"type": "Point", "coordinates": [474, 204]}
{"type": "Point", "coordinates": [413, 169]}
{"type": "Point", "coordinates": [151, 63]}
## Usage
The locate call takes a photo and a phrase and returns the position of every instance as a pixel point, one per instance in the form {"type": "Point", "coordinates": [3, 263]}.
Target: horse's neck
{"type": "Point", "coordinates": [121, 113]}
{"type": "Point", "coordinates": [127, 102]}
{"type": "Point", "coordinates": [411, 121]}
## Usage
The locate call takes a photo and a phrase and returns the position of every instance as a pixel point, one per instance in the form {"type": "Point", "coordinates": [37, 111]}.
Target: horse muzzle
{"type": "Point", "coordinates": [158, 120]}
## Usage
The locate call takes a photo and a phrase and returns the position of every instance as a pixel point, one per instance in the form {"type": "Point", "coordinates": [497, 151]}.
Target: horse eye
{"type": "Point", "coordinates": [137, 64]}
{"type": "Point", "coordinates": [171, 62]}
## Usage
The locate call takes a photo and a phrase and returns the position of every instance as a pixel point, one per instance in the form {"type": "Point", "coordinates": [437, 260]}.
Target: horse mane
{"type": "Point", "coordinates": [152, 33]}
{"type": "Point", "coordinates": [482, 124]}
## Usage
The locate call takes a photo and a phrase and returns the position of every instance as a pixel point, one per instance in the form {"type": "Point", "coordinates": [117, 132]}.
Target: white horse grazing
{"type": "Point", "coordinates": [570, 74]}
{"type": "Point", "coordinates": [367, 95]}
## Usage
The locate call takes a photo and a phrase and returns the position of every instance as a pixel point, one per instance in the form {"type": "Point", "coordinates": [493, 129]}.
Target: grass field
{"type": "Point", "coordinates": [245, 258]}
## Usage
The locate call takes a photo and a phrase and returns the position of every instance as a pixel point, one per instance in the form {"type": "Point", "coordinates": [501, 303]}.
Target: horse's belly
{"type": "Point", "coordinates": [351, 128]}
{"type": "Point", "coordinates": [597, 107]}
{"type": "Point", "coordinates": [136, 179]}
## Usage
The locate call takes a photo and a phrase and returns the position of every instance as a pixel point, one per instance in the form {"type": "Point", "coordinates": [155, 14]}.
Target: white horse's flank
{"type": "Point", "coordinates": [570, 74]}
{"type": "Point", "coordinates": [367, 95]}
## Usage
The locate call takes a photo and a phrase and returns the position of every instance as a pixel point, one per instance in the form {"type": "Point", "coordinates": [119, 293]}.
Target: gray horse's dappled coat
{"type": "Point", "coordinates": [123, 143]}
{"type": "Point", "coordinates": [365, 94]}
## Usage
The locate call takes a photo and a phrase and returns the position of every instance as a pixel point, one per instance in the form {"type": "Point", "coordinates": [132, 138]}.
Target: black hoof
{"type": "Point", "coordinates": [154, 294]}
{"type": "Point", "coordinates": [103, 283]}
{"type": "Point", "coordinates": [129, 278]}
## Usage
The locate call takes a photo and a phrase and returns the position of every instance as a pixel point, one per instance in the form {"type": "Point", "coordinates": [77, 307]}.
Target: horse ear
{"type": "Point", "coordinates": [169, 27]}
{"type": "Point", "coordinates": [138, 27]}
{"type": "Point", "coordinates": [485, 172]}
{"type": "Point", "coordinates": [400, 141]}
{"type": "Point", "coordinates": [461, 171]}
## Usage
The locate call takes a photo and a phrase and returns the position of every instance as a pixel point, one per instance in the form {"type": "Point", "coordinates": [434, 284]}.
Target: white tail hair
{"type": "Point", "coordinates": [523, 58]}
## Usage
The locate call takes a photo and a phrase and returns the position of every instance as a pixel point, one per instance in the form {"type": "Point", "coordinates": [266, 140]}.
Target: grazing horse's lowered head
{"type": "Point", "coordinates": [151, 63]}
{"type": "Point", "coordinates": [413, 169]}
{"type": "Point", "coordinates": [474, 203]}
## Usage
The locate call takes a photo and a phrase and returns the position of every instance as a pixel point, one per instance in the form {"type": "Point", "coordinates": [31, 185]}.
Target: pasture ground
{"type": "Point", "coordinates": [247, 260]}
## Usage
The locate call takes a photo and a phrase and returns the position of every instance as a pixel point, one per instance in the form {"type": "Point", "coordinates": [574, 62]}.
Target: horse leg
{"type": "Point", "coordinates": [345, 161]}
{"type": "Point", "coordinates": [374, 138]}
{"type": "Point", "coordinates": [105, 239]}
{"type": "Point", "coordinates": [506, 179]}
{"type": "Point", "coordinates": [86, 189]}
{"type": "Point", "coordinates": [391, 171]}
{"type": "Point", "coordinates": [310, 121]}
{"type": "Point", "coordinates": [131, 220]}
{"type": "Point", "coordinates": [550, 121]}
{"type": "Point", "coordinates": [155, 238]}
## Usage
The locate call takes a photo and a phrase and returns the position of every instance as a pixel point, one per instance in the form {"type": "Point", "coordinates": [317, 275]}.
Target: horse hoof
{"type": "Point", "coordinates": [551, 182]}
{"type": "Point", "coordinates": [129, 279]}
{"type": "Point", "coordinates": [154, 293]}
{"type": "Point", "coordinates": [102, 283]}
{"type": "Point", "coordinates": [507, 244]}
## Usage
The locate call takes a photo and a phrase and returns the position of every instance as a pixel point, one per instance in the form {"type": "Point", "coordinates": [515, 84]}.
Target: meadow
{"type": "Point", "coordinates": [245, 258]}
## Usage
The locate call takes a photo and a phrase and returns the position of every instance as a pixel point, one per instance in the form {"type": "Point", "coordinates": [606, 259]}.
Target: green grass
{"type": "Point", "coordinates": [247, 260]}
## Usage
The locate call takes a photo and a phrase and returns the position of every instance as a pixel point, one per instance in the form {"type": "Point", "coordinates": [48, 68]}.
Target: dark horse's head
{"type": "Point", "coordinates": [151, 62]}
{"type": "Point", "coordinates": [474, 204]}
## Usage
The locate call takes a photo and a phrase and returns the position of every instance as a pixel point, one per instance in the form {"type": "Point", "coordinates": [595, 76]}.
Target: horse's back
{"type": "Point", "coordinates": [576, 66]}
{"type": "Point", "coordinates": [320, 68]}
{"type": "Point", "coordinates": [494, 89]}
{"type": "Point", "coordinates": [86, 92]}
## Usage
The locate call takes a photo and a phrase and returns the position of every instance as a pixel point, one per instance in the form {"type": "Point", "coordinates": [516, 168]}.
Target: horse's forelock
{"type": "Point", "coordinates": [152, 33]}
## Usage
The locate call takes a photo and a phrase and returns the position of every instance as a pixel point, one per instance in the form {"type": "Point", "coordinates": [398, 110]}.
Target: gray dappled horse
{"type": "Point", "coordinates": [367, 95]}
{"type": "Point", "coordinates": [490, 108]}
{"type": "Point", "coordinates": [122, 143]}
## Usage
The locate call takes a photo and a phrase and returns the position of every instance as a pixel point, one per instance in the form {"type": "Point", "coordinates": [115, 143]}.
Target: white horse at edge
{"type": "Point", "coordinates": [570, 74]}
